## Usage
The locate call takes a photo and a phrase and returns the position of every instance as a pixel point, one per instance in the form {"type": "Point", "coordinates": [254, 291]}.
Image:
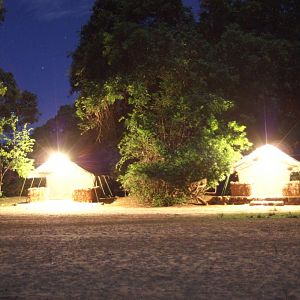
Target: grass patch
{"type": "Point", "coordinates": [267, 215]}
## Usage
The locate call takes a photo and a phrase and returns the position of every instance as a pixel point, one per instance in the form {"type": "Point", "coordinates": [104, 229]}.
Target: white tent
{"type": "Point", "coordinates": [267, 169]}
{"type": "Point", "coordinates": [63, 177]}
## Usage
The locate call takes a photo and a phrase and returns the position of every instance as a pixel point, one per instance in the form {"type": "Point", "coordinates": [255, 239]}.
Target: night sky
{"type": "Point", "coordinates": [36, 38]}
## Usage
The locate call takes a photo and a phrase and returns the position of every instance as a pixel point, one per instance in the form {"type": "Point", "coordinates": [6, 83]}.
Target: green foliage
{"type": "Point", "coordinates": [3, 89]}
{"type": "Point", "coordinates": [279, 18]}
{"type": "Point", "coordinates": [15, 145]}
{"type": "Point", "coordinates": [22, 103]}
{"type": "Point", "coordinates": [145, 63]}
{"type": "Point", "coordinates": [256, 50]}
{"type": "Point", "coordinates": [171, 145]}
{"type": "Point", "coordinates": [100, 109]}
{"type": "Point", "coordinates": [256, 79]}
{"type": "Point", "coordinates": [123, 38]}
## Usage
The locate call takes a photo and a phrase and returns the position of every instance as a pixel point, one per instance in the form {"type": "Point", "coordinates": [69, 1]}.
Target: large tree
{"type": "Point", "coordinates": [257, 53]}
{"type": "Point", "coordinates": [118, 39]}
{"type": "Point", "coordinates": [145, 61]}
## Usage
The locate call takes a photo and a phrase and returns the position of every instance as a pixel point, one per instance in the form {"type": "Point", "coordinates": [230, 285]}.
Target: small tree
{"type": "Point", "coordinates": [15, 144]}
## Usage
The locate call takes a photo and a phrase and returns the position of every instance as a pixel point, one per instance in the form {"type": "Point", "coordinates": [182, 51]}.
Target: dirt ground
{"type": "Point", "coordinates": [92, 251]}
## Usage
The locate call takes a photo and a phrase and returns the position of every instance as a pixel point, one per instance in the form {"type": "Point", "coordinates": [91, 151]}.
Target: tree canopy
{"type": "Point", "coordinates": [146, 62]}
{"type": "Point", "coordinates": [278, 18]}
{"type": "Point", "coordinates": [22, 103]}
{"type": "Point", "coordinates": [17, 108]}
{"type": "Point", "coordinates": [250, 52]}
{"type": "Point", "coordinates": [13, 100]}
{"type": "Point", "coordinates": [151, 64]}
{"type": "Point", "coordinates": [256, 51]}
{"type": "Point", "coordinates": [60, 132]}
{"type": "Point", "coordinates": [117, 36]}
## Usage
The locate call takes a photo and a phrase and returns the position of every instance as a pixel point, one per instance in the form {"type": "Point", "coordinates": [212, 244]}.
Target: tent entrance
{"type": "Point", "coordinates": [60, 187]}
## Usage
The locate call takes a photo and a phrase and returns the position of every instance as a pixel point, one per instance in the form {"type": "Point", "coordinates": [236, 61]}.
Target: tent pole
{"type": "Point", "coordinates": [108, 186]}
{"type": "Point", "coordinates": [225, 185]}
{"type": "Point", "coordinates": [31, 183]}
{"type": "Point", "coordinates": [22, 189]}
{"type": "Point", "coordinates": [40, 182]}
{"type": "Point", "coordinates": [101, 185]}
{"type": "Point", "coordinates": [95, 189]}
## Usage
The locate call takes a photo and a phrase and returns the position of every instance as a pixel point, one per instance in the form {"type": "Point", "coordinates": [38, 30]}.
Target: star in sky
{"type": "Point", "coordinates": [40, 33]}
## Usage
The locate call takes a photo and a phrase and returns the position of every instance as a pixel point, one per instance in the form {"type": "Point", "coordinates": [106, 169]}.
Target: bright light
{"type": "Point", "coordinates": [268, 170]}
{"type": "Point", "coordinates": [271, 172]}
{"type": "Point", "coordinates": [268, 152]}
{"type": "Point", "coordinates": [58, 161]}
{"type": "Point", "coordinates": [63, 176]}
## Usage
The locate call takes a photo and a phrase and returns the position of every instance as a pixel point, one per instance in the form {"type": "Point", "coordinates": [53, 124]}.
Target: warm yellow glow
{"type": "Point", "coordinates": [58, 161]}
{"type": "Point", "coordinates": [267, 170]}
{"type": "Point", "coordinates": [63, 207]}
{"type": "Point", "coordinates": [63, 176]}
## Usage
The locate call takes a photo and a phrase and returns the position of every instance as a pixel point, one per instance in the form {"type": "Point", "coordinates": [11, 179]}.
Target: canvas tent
{"type": "Point", "coordinates": [267, 169]}
{"type": "Point", "coordinates": [63, 177]}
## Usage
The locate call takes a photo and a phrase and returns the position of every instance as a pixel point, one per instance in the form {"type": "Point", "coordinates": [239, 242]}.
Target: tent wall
{"type": "Point", "coordinates": [62, 182]}
{"type": "Point", "coordinates": [265, 181]}
{"type": "Point", "coordinates": [63, 179]}
{"type": "Point", "coordinates": [267, 169]}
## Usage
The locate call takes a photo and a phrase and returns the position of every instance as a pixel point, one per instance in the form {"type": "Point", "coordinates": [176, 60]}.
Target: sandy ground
{"type": "Point", "coordinates": [130, 206]}
{"type": "Point", "coordinates": [92, 251]}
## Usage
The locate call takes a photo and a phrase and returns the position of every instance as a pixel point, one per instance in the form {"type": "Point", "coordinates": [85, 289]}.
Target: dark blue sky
{"type": "Point", "coordinates": [36, 37]}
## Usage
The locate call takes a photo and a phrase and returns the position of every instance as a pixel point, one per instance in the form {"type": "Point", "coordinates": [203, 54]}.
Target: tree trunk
{"type": "Point", "coordinates": [1, 181]}
{"type": "Point", "coordinates": [0, 186]}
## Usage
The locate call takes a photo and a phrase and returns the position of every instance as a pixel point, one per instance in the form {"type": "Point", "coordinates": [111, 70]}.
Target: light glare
{"type": "Point", "coordinates": [58, 161]}
{"type": "Point", "coordinates": [268, 170]}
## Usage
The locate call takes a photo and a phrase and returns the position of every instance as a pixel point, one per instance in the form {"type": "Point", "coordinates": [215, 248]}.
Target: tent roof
{"type": "Point", "coordinates": [49, 167]}
{"type": "Point", "coordinates": [269, 152]}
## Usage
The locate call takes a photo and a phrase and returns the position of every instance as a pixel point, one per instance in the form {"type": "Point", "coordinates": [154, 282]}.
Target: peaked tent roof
{"type": "Point", "coordinates": [55, 165]}
{"type": "Point", "coordinates": [269, 152]}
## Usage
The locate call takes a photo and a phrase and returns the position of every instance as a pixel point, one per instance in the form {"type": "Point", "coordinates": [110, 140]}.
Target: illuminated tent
{"type": "Point", "coordinates": [63, 177]}
{"type": "Point", "coordinates": [267, 169]}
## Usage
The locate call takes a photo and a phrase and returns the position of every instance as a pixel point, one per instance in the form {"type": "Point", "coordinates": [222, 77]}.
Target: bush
{"type": "Point", "coordinates": [148, 184]}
